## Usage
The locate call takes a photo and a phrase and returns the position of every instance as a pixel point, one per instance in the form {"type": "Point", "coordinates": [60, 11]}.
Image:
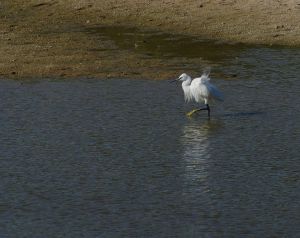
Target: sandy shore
{"type": "Point", "coordinates": [50, 38]}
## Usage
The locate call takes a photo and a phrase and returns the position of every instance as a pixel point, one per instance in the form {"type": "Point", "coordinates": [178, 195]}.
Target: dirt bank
{"type": "Point", "coordinates": [54, 38]}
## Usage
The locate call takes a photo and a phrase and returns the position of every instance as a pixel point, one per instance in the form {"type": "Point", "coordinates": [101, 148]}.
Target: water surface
{"type": "Point", "coordinates": [119, 158]}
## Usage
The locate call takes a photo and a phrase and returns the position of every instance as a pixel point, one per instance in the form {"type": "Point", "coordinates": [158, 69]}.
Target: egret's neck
{"type": "Point", "coordinates": [187, 82]}
{"type": "Point", "coordinates": [186, 89]}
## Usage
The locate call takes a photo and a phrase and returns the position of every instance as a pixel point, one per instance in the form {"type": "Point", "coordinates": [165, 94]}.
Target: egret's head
{"type": "Point", "coordinates": [183, 77]}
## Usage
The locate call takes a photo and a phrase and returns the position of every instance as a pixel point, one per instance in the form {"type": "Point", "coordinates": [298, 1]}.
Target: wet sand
{"type": "Point", "coordinates": [44, 38]}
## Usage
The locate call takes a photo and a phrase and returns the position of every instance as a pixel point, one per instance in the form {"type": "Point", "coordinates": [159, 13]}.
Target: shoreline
{"type": "Point", "coordinates": [50, 38]}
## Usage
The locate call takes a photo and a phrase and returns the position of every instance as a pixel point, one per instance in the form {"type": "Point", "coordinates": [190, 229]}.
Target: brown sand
{"type": "Point", "coordinates": [46, 38]}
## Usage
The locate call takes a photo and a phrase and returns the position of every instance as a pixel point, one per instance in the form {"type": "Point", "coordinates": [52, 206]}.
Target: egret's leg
{"type": "Point", "coordinates": [192, 112]}
{"type": "Point", "coordinates": [208, 110]}
{"type": "Point", "coordinates": [200, 109]}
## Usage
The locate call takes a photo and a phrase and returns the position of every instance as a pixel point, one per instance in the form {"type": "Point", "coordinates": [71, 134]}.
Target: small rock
{"type": "Point", "coordinates": [79, 8]}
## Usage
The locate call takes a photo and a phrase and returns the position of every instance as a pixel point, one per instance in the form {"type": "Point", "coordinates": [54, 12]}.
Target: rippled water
{"type": "Point", "coordinates": [119, 158]}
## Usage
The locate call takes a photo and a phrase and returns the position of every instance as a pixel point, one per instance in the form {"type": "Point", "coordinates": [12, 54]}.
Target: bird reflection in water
{"type": "Point", "coordinates": [196, 154]}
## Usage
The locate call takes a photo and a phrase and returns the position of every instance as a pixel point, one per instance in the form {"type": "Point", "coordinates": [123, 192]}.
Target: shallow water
{"type": "Point", "coordinates": [119, 158]}
{"type": "Point", "coordinates": [165, 45]}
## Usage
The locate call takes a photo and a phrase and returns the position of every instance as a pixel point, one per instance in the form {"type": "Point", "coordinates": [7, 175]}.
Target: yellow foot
{"type": "Point", "coordinates": [192, 112]}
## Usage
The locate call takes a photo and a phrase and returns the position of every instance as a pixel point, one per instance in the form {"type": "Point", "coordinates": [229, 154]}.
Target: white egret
{"type": "Point", "coordinates": [200, 90]}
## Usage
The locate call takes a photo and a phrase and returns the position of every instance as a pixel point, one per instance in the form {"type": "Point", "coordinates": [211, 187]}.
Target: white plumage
{"type": "Point", "coordinates": [200, 90]}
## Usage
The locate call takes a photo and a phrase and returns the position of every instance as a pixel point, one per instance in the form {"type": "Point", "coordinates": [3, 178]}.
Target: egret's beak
{"type": "Point", "coordinates": [174, 80]}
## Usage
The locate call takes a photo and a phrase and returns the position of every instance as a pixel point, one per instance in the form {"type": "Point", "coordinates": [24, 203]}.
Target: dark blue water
{"type": "Point", "coordinates": [119, 158]}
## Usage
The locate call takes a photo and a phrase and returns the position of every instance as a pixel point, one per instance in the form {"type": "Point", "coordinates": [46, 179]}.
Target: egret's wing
{"type": "Point", "coordinates": [199, 89]}
{"type": "Point", "coordinates": [206, 71]}
{"type": "Point", "coordinates": [203, 90]}
{"type": "Point", "coordinates": [214, 92]}
{"type": "Point", "coordinates": [205, 75]}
